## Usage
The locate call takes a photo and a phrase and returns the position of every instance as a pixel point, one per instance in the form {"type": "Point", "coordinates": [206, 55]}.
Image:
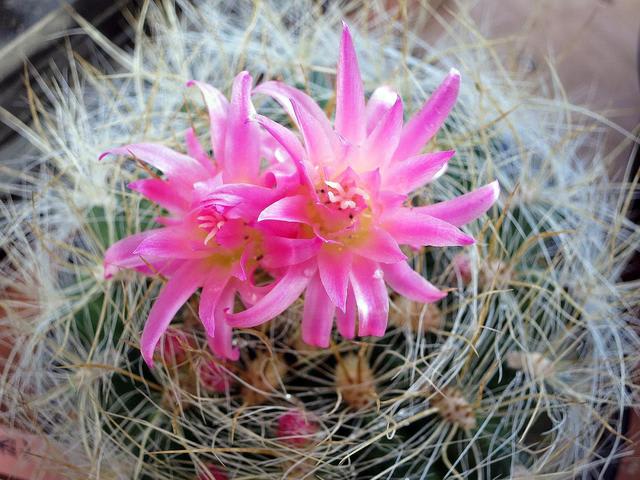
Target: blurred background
{"type": "Point", "coordinates": [588, 48]}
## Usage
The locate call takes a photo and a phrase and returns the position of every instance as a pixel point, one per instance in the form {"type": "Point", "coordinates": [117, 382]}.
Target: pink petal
{"type": "Point", "coordinates": [383, 140]}
{"type": "Point", "coordinates": [379, 246]}
{"type": "Point", "coordinates": [346, 321]}
{"type": "Point", "coordinates": [161, 192]}
{"type": "Point", "coordinates": [212, 289]}
{"type": "Point", "coordinates": [287, 289]}
{"type": "Point", "coordinates": [288, 209]}
{"type": "Point", "coordinates": [285, 95]}
{"type": "Point", "coordinates": [371, 297]}
{"type": "Point", "coordinates": [173, 295]}
{"type": "Point", "coordinates": [465, 208]}
{"type": "Point", "coordinates": [242, 142]}
{"type": "Point", "coordinates": [217, 105]}
{"type": "Point", "coordinates": [334, 265]}
{"type": "Point", "coordinates": [282, 252]}
{"type": "Point", "coordinates": [350, 121]}
{"type": "Point", "coordinates": [381, 101]}
{"type": "Point", "coordinates": [291, 144]}
{"type": "Point", "coordinates": [317, 317]}
{"type": "Point", "coordinates": [321, 146]}
{"type": "Point", "coordinates": [244, 200]}
{"type": "Point", "coordinates": [221, 342]}
{"type": "Point", "coordinates": [176, 166]}
{"type": "Point", "coordinates": [407, 175]}
{"type": "Point", "coordinates": [424, 125]}
{"type": "Point", "coordinates": [121, 254]}
{"type": "Point", "coordinates": [168, 221]}
{"type": "Point", "coordinates": [408, 283]}
{"type": "Point", "coordinates": [195, 150]}
{"type": "Point", "coordinates": [283, 135]}
{"type": "Point", "coordinates": [413, 228]}
{"type": "Point", "coordinates": [170, 242]}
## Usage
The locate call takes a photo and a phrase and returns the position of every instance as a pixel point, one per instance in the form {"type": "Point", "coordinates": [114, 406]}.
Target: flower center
{"type": "Point", "coordinates": [344, 209]}
{"type": "Point", "coordinates": [343, 196]}
{"type": "Point", "coordinates": [211, 221]}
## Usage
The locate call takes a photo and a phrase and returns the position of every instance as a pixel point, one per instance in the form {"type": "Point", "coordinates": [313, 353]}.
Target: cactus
{"type": "Point", "coordinates": [523, 370]}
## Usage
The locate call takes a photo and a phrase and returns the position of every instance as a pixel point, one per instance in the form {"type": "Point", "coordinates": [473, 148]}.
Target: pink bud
{"type": "Point", "coordinates": [214, 377]}
{"type": "Point", "coordinates": [296, 428]}
{"type": "Point", "coordinates": [174, 346]}
{"type": "Point", "coordinates": [462, 267]}
{"type": "Point", "coordinates": [215, 473]}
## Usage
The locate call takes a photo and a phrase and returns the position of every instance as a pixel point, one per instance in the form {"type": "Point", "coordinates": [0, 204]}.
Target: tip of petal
{"type": "Point", "coordinates": [467, 240]}
{"type": "Point", "coordinates": [190, 83]}
{"type": "Point", "coordinates": [104, 154]}
{"type": "Point", "coordinates": [454, 72]}
{"type": "Point", "coordinates": [439, 296]}
{"type": "Point", "coordinates": [147, 356]}
{"type": "Point", "coordinates": [108, 271]}
{"type": "Point", "coordinates": [495, 188]}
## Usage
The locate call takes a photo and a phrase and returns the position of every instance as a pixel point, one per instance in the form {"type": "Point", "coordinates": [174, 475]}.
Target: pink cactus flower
{"type": "Point", "coordinates": [352, 205]}
{"type": "Point", "coordinates": [210, 240]}
{"type": "Point", "coordinates": [296, 428]}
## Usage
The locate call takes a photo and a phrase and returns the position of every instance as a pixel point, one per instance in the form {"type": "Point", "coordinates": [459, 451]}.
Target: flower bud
{"type": "Point", "coordinates": [214, 376]}
{"type": "Point", "coordinates": [174, 346]}
{"type": "Point", "coordinates": [462, 267]}
{"type": "Point", "coordinates": [296, 428]}
{"type": "Point", "coordinates": [214, 473]}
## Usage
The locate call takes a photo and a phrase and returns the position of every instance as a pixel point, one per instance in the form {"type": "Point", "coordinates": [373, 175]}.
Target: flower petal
{"type": "Point", "coordinates": [212, 289]}
{"type": "Point", "coordinates": [416, 229]}
{"type": "Point", "coordinates": [195, 150]}
{"type": "Point", "coordinates": [346, 321]}
{"type": "Point", "coordinates": [287, 289]}
{"type": "Point", "coordinates": [334, 264]}
{"type": "Point", "coordinates": [285, 95]}
{"type": "Point", "coordinates": [379, 246]}
{"type": "Point", "coordinates": [217, 105]}
{"type": "Point", "coordinates": [407, 175]}
{"type": "Point", "coordinates": [371, 297]}
{"type": "Point", "coordinates": [244, 200]}
{"type": "Point", "coordinates": [424, 125]}
{"type": "Point", "coordinates": [379, 146]}
{"type": "Point", "coordinates": [242, 142]}
{"type": "Point", "coordinates": [176, 166]}
{"type": "Point", "coordinates": [121, 254]}
{"type": "Point", "coordinates": [350, 121]}
{"type": "Point", "coordinates": [320, 146]}
{"type": "Point", "coordinates": [282, 252]}
{"type": "Point", "coordinates": [173, 295]}
{"type": "Point", "coordinates": [161, 192]}
{"type": "Point", "coordinates": [170, 242]}
{"type": "Point", "coordinates": [317, 317]}
{"type": "Point", "coordinates": [408, 283]}
{"type": "Point", "coordinates": [288, 209]}
{"type": "Point", "coordinates": [291, 144]}
{"type": "Point", "coordinates": [465, 208]}
{"type": "Point", "coordinates": [381, 101]}
{"type": "Point", "coordinates": [221, 342]}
